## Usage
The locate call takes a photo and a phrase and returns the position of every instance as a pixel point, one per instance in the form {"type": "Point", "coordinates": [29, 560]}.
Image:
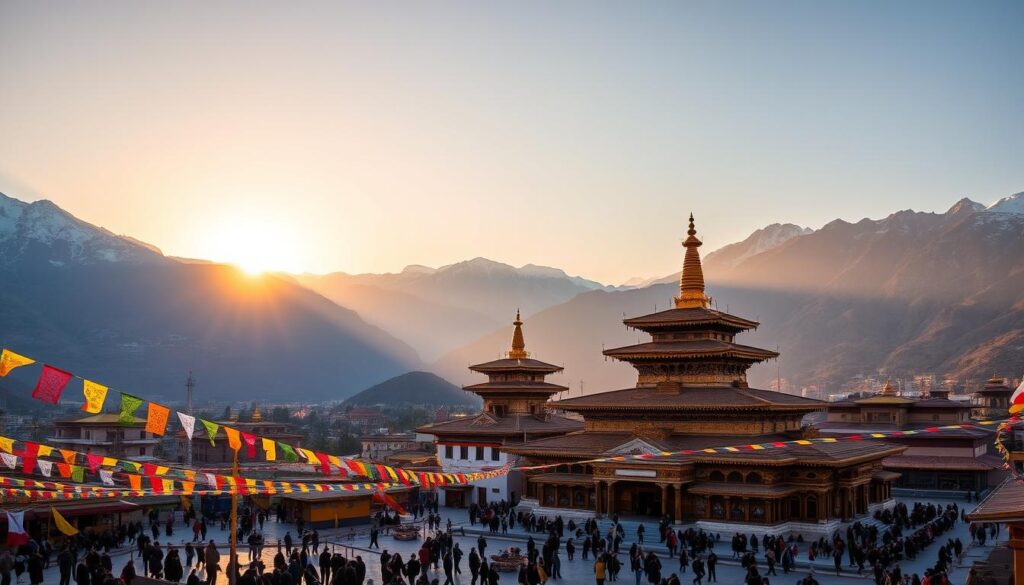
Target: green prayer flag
{"type": "Point", "coordinates": [289, 453]}
{"type": "Point", "coordinates": [130, 466]}
{"type": "Point", "coordinates": [129, 404]}
{"type": "Point", "coordinates": [78, 473]}
{"type": "Point", "coordinates": [211, 430]}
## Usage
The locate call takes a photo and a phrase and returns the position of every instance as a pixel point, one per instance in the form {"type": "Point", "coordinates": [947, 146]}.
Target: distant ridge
{"type": "Point", "coordinates": [415, 388]}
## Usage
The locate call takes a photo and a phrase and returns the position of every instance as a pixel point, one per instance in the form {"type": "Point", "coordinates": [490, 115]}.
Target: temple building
{"type": "Point", "coordinates": [514, 396]}
{"type": "Point", "coordinates": [203, 453]}
{"type": "Point", "coordinates": [104, 434]}
{"type": "Point", "coordinates": [993, 399]}
{"type": "Point", "coordinates": [952, 459]}
{"type": "Point", "coordinates": [691, 394]}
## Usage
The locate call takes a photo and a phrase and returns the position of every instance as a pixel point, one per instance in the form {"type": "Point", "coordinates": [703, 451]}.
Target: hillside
{"type": "Point", "coordinates": [912, 293]}
{"type": "Point", "coordinates": [109, 308]}
{"type": "Point", "coordinates": [414, 388]}
{"type": "Point", "coordinates": [437, 310]}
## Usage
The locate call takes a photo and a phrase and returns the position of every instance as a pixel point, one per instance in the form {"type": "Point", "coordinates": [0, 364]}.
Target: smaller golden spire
{"type": "Point", "coordinates": [887, 389]}
{"type": "Point", "coordinates": [256, 415]}
{"type": "Point", "coordinates": [518, 343]}
{"type": "Point", "coordinates": [691, 283]}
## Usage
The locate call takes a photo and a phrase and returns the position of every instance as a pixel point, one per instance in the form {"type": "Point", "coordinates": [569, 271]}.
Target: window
{"type": "Point", "coordinates": [463, 452]}
{"type": "Point", "coordinates": [142, 451]}
{"type": "Point", "coordinates": [494, 454]}
{"type": "Point", "coordinates": [448, 451]}
{"type": "Point", "coordinates": [479, 453]}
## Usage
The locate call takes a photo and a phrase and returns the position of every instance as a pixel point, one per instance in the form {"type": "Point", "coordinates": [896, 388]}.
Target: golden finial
{"type": "Point", "coordinates": [518, 343]}
{"type": "Point", "coordinates": [256, 415]}
{"type": "Point", "coordinates": [887, 389]}
{"type": "Point", "coordinates": [691, 283]}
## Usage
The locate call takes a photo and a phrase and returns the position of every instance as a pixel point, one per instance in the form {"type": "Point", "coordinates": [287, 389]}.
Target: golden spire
{"type": "Point", "coordinates": [256, 415]}
{"type": "Point", "coordinates": [518, 343]}
{"type": "Point", "coordinates": [888, 390]}
{"type": "Point", "coordinates": [691, 284]}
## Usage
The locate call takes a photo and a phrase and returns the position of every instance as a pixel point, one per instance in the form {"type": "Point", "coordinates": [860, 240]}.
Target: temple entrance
{"type": "Point", "coordinates": [638, 499]}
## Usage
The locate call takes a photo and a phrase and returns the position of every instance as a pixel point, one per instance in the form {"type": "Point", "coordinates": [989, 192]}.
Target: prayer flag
{"type": "Point", "coordinates": [62, 524]}
{"type": "Point", "coordinates": [107, 476]}
{"type": "Point", "coordinates": [289, 453]}
{"type": "Point", "coordinates": [156, 419]}
{"type": "Point", "coordinates": [135, 481]}
{"type": "Point", "coordinates": [51, 384]}
{"type": "Point", "coordinates": [1016, 399]}
{"type": "Point", "coordinates": [68, 455]}
{"type": "Point", "coordinates": [6, 444]}
{"type": "Point", "coordinates": [129, 404]}
{"type": "Point", "coordinates": [188, 423]}
{"type": "Point", "coordinates": [211, 430]}
{"type": "Point", "coordinates": [10, 360]}
{"type": "Point", "coordinates": [77, 473]}
{"type": "Point", "coordinates": [250, 444]}
{"type": "Point", "coordinates": [16, 534]}
{"type": "Point", "coordinates": [93, 461]}
{"type": "Point", "coordinates": [270, 449]}
{"type": "Point", "coordinates": [9, 460]}
{"type": "Point", "coordinates": [95, 395]}
{"type": "Point", "coordinates": [234, 441]}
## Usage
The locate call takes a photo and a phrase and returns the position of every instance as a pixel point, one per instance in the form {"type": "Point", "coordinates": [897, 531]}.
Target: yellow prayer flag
{"type": "Point", "coordinates": [162, 470]}
{"type": "Point", "coordinates": [45, 450]}
{"type": "Point", "coordinates": [309, 455]}
{"type": "Point", "coordinates": [270, 449]}
{"type": "Point", "coordinates": [234, 439]}
{"type": "Point", "coordinates": [168, 485]}
{"type": "Point", "coordinates": [95, 394]}
{"type": "Point", "coordinates": [10, 360]}
{"type": "Point", "coordinates": [109, 462]}
{"type": "Point", "coordinates": [62, 524]}
{"type": "Point", "coordinates": [335, 461]}
{"type": "Point", "coordinates": [7, 444]}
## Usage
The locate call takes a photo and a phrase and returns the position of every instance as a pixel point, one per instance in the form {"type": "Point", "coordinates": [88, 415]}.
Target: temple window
{"type": "Point", "coordinates": [717, 476]}
{"type": "Point", "coordinates": [578, 498]}
{"type": "Point", "coordinates": [757, 509]}
{"type": "Point", "coordinates": [479, 453]}
{"type": "Point", "coordinates": [717, 508]}
{"type": "Point", "coordinates": [463, 452]}
{"type": "Point", "coordinates": [735, 477]}
{"type": "Point", "coordinates": [448, 451]}
{"type": "Point", "coordinates": [736, 511]}
{"type": "Point", "coordinates": [754, 478]}
{"type": "Point", "coordinates": [794, 508]}
{"type": "Point", "coordinates": [495, 454]}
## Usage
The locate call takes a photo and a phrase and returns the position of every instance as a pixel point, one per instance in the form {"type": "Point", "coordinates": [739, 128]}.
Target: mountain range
{"type": "Point", "coordinates": [116, 310]}
{"type": "Point", "coordinates": [438, 309]}
{"type": "Point", "coordinates": [912, 293]}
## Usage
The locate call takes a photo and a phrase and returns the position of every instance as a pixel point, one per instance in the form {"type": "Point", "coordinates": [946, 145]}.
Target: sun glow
{"type": "Point", "coordinates": [253, 245]}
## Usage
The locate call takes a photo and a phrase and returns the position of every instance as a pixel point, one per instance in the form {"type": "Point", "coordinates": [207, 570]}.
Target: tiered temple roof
{"type": "Point", "coordinates": [514, 397]}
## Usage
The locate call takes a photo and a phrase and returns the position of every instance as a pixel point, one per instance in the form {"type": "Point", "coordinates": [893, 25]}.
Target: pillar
{"type": "Point", "coordinates": [611, 498]}
{"type": "Point", "coordinates": [1017, 546]}
{"type": "Point", "coordinates": [664, 499]}
{"type": "Point", "coordinates": [679, 502]}
{"type": "Point", "coordinates": [598, 498]}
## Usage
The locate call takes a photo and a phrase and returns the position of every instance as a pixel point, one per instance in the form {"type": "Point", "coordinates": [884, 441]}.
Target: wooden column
{"type": "Point", "coordinates": [611, 498]}
{"type": "Point", "coordinates": [598, 498]}
{"type": "Point", "coordinates": [1017, 546]}
{"type": "Point", "coordinates": [679, 502]}
{"type": "Point", "coordinates": [664, 499]}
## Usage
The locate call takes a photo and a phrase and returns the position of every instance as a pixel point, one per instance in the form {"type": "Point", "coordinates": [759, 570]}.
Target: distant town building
{"type": "Point", "coordinates": [104, 434]}
{"type": "Point", "coordinates": [514, 411]}
{"type": "Point", "coordinates": [377, 447]}
{"type": "Point", "coordinates": [203, 453]}
{"type": "Point", "coordinates": [953, 459]}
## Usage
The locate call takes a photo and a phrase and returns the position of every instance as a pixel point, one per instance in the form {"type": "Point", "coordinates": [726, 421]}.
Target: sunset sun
{"type": "Point", "coordinates": [253, 245]}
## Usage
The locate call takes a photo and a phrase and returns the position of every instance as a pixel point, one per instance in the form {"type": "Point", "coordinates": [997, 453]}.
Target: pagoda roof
{"type": "Point", "coordinates": [689, 317]}
{"type": "Point", "coordinates": [1004, 504]}
{"type": "Point", "coordinates": [512, 364]}
{"type": "Point", "coordinates": [513, 425]}
{"type": "Point", "coordinates": [856, 428]}
{"type": "Point", "coordinates": [708, 398]}
{"type": "Point", "coordinates": [519, 385]}
{"type": "Point", "coordinates": [598, 444]}
{"type": "Point", "coordinates": [932, 462]}
{"type": "Point", "coordinates": [700, 348]}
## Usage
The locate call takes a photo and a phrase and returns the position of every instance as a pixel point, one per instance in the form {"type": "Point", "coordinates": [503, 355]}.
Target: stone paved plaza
{"type": "Point", "coordinates": [353, 541]}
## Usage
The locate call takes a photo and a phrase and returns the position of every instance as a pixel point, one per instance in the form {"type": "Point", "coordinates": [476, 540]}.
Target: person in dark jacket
{"type": "Point", "coordinates": [82, 574]}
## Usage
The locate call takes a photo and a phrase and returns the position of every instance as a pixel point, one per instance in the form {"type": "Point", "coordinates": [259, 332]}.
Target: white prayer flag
{"type": "Point", "coordinates": [107, 476]}
{"type": "Point", "coordinates": [10, 460]}
{"type": "Point", "coordinates": [188, 422]}
{"type": "Point", "coordinates": [46, 467]}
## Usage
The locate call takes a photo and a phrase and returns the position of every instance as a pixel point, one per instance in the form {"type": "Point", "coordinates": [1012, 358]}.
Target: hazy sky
{"type": "Point", "coordinates": [364, 137]}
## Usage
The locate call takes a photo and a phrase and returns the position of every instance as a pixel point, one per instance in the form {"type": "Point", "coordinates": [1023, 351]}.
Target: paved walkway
{"type": "Point", "coordinates": [352, 541]}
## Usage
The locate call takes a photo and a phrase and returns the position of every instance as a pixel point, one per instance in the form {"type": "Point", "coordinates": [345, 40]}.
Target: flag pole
{"type": "Point", "coordinates": [233, 555]}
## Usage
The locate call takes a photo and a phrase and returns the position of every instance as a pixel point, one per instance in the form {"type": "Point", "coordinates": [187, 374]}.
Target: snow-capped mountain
{"type": "Point", "coordinates": [1012, 204]}
{"type": "Point", "coordinates": [762, 240]}
{"type": "Point", "coordinates": [41, 231]}
{"type": "Point", "coordinates": [120, 312]}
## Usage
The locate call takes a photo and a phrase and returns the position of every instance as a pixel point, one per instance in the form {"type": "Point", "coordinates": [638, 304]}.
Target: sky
{"type": "Point", "coordinates": [363, 137]}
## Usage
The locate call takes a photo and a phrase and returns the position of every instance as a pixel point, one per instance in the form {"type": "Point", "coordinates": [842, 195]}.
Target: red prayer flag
{"type": "Point", "coordinates": [51, 384]}
{"type": "Point", "coordinates": [250, 444]}
{"type": "Point", "coordinates": [93, 461]}
{"type": "Point", "coordinates": [353, 466]}
{"type": "Point", "coordinates": [325, 463]}
{"type": "Point", "coordinates": [149, 469]}
{"type": "Point", "coordinates": [28, 464]}
{"type": "Point", "coordinates": [156, 483]}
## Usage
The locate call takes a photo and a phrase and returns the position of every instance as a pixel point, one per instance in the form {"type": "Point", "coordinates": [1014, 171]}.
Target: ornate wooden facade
{"type": "Point", "coordinates": [691, 394]}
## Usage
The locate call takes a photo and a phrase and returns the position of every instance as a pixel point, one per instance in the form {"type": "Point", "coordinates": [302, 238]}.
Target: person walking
{"type": "Point", "coordinates": [599, 570]}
